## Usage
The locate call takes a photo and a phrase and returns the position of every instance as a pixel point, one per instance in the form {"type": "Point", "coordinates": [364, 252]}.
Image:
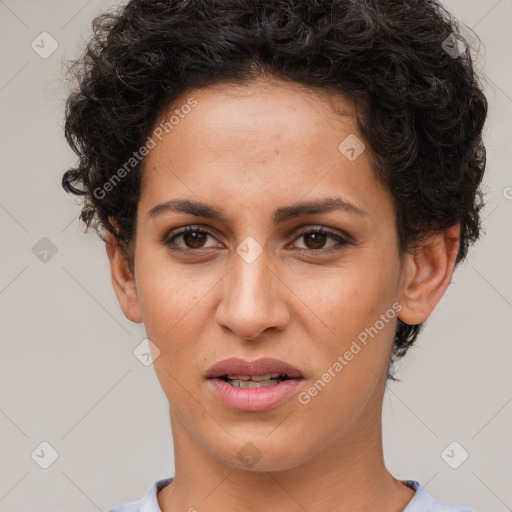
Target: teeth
{"type": "Point", "coordinates": [252, 384]}
{"type": "Point", "coordinates": [253, 381]}
{"type": "Point", "coordinates": [255, 378]}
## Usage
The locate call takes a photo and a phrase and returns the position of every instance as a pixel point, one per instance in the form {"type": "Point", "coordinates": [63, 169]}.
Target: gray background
{"type": "Point", "coordinates": [68, 373]}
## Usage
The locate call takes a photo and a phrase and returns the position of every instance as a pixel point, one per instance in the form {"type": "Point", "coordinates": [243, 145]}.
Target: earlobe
{"type": "Point", "coordinates": [427, 274]}
{"type": "Point", "coordinates": [123, 280]}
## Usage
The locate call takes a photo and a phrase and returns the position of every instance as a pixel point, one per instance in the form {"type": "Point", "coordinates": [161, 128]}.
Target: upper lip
{"type": "Point", "coordinates": [262, 366]}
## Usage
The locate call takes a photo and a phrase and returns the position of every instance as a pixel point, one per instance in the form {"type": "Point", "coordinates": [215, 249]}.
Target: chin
{"type": "Point", "coordinates": [261, 454]}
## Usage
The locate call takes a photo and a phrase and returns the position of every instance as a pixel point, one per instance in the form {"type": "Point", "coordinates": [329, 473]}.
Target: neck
{"type": "Point", "coordinates": [349, 474]}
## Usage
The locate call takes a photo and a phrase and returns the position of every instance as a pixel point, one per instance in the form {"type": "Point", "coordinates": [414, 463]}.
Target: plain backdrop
{"type": "Point", "coordinates": [69, 377]}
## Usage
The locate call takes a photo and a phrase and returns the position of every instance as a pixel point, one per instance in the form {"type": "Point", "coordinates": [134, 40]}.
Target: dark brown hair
{"type": "Point", "coordinates": [421, 107]}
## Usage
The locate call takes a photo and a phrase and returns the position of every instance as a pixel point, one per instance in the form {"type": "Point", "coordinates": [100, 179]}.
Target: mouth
{"type": "Point", "coordinates": [255, 381]}
{"type": "Point", "coordinates": [253, 386]}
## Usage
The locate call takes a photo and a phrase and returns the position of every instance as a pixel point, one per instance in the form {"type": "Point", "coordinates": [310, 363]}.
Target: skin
{"type": "Point", "coordinates": [250, 150]}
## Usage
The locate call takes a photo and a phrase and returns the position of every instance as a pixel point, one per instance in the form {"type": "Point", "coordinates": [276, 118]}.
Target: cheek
{"type": "Point", "coordinates": [167, 293]}
{"type": "Point", "coordinates": [173, 306]}
{"type": "Point", "coordinates": [348, 299]}
{"type": "Point", "coordinates": [174, 316]}
{"type": "Point", "coordinates": [350, 364]}
{"type": "Point", "coordinates": [351, 303]}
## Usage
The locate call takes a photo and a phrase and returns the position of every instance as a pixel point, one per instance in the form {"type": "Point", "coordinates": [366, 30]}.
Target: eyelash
{"type": "Point", "coordinates": [168, 240]}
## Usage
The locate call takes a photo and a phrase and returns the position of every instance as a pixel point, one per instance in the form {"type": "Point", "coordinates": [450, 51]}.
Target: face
{"type": "Point", "coordinates": [318, 288]}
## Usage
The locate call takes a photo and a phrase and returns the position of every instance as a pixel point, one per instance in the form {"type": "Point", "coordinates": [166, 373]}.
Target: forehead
{"type": "Point", "coordinates": [266, 114]}
{"type": "Point", "coordinates": [267, 138]}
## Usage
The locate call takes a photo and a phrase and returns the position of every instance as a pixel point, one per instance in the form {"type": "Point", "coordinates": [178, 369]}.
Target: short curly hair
{"type": "Point", "coordinates": [420, 104]}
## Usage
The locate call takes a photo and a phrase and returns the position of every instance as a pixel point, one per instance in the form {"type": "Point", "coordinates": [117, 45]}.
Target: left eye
{"type": "Point", "coordinates": [318, 238]}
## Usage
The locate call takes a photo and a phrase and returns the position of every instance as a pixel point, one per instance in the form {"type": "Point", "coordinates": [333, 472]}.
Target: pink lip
{"type": "Point", "coordinates": [253, 399]}
{"type": "Point", "coordinates": [262, 366]}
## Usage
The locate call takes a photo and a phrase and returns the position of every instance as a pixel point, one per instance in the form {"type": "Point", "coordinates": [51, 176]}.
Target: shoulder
{"type": "Point", "coordinates": [148, 503]}
{"type": "Point", "coordinates": [424, 502]}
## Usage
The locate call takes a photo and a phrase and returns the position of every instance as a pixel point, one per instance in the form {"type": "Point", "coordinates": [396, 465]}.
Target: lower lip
{"type": "Point", "coordinates": [253, 399]}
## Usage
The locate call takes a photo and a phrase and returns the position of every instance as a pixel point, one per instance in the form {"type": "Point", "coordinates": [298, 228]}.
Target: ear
{"type": "Point", "coordinates": [428, 272]}
{"type": "Point", "coordinates": [123, 280]}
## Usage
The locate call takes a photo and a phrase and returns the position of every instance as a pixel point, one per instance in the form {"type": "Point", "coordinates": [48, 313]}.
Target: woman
{"type": "Point", "coordinates": [285, 189]}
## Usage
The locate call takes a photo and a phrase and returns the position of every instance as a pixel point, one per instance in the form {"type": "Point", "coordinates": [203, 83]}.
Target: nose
{"type": "Point", "coordinates": [253, 299]}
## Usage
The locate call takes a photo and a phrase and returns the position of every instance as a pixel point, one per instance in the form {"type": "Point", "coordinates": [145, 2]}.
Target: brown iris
{"type": "Point", "coordinates": [318, 239]}
{"type": "Point", "coordinates": [194, 239]}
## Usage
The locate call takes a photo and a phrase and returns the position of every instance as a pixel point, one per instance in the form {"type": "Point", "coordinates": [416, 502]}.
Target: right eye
{"type": "Point", "coordinates": [192, 237]}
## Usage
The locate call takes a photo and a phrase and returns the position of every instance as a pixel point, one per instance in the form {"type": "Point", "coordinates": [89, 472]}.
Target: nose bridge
{"type": "Point", "coordinates": [250, 274]}
{"type": "Point", "coordinates": [251, 297]}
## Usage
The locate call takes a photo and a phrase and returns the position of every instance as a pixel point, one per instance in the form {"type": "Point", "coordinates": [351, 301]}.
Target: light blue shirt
{"type": "Point", "coordinates": [422, 501]}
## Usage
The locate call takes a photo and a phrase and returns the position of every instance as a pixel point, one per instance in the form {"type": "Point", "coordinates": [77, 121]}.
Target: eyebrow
{"type": "Point", "coordinates": [284, 213]}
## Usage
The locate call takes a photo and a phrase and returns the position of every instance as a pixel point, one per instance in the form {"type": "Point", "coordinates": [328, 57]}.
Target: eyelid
{"type": "Point", "coordinates": [324, 230]}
